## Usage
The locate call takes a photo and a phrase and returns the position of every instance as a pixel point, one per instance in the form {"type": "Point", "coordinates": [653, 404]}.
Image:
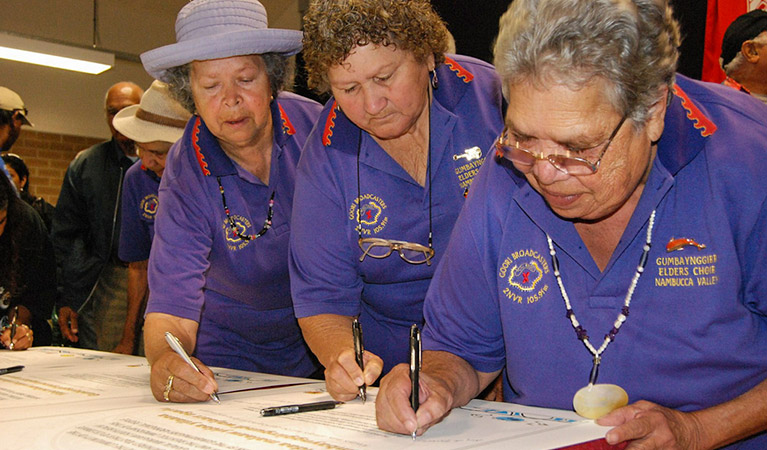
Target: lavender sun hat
{"type": "Point", "coordinates": [213, 29]}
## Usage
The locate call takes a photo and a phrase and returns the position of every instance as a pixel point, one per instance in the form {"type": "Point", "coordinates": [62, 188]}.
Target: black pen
{"type": "Point", "coordinates": [13, 326]}
{"type": "Point", "coordinates": [359, 351]}
{"type": "Point", "coordinates": [305, 407]}
{"type": "Point", "coordinates": [11, 369]}
{"type": "Point", "coordinates": [415, 368]}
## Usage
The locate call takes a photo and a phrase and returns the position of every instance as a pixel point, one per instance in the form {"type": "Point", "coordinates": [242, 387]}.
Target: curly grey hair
{"type": "Point", "coordinates": [278, 68]}
{"type": "Point", "coordinates": [632, 44]}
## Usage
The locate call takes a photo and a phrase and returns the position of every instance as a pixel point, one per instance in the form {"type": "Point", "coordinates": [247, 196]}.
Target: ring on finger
{"type": "Point", "coordinates": [168, 388]}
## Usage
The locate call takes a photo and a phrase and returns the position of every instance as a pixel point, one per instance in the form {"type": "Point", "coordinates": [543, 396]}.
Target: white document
{"type": "Point", "coordinates": [69, 398]}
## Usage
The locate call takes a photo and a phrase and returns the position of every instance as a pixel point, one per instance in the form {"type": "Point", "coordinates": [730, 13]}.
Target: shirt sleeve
{"type": "Point", "coordinates": [183, 240]}
{"type": "Point", "coordinates": [324, 277]}
{"type": "Point", "coordinates": [461, 307]}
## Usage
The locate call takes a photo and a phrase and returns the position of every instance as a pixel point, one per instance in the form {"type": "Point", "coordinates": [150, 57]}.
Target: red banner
{"type": "Point", "coordinates": [719, 16]}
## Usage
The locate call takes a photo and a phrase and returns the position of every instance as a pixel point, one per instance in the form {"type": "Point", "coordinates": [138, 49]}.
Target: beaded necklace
{"type": "Point", "coordinates": [235, 232]}
{"type": "Point", "coordinates": [609, 337]}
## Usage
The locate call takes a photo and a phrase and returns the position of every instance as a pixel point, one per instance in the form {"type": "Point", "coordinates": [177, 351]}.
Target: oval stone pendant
{"type": "Point", "coordinates": [596, 400]}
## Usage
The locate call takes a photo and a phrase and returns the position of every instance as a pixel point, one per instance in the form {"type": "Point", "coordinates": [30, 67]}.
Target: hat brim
{"type": "Point", "coordinates": [141, 131]}
{"type": "Point", "coordinates": [251, 42]}
{"type": "Point", "coordinates": [26, 121]}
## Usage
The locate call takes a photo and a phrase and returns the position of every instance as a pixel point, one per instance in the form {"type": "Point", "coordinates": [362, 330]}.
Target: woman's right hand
{"type": "Point", "coordinates": [343, 377]}
{"type": "Point", "coordinates": [186, 386]}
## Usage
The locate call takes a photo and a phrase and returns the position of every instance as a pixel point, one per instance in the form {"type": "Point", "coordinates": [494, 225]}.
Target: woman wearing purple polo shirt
{"type": "Point", "coordinates": [218, 268]}
{"type": "Point", "coordinates": [382, 177]}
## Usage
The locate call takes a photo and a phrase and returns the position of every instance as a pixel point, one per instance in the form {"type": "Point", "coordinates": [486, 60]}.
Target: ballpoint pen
{"type": "Point", "coordinates": [305, 407]}
{"type": "Point", "coordinates": [11, 369]}
{"type": "Point", "coordinates": [415, 368]}
{"type": "Point", "coordinates": [13, 326]}
{"type": "Point", "coordinates": [359, 351]}
{"type": "Point", "coordinates": [175, 344]}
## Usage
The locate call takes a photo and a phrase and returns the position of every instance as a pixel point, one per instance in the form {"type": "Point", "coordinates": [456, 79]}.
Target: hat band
{"type": "Point", "coordinates": [159, 120]}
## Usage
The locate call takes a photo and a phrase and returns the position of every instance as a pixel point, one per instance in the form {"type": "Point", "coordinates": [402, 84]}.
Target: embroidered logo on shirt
{"type": "Point", "coordinates": [243, 228]}
{"type": "Point", "coordinates": [371, 211]}
{"type": "Point", "coordinates": [522, 273]}
{"type": "Point", "coordinates": [693, 267]}
{"type": "Point", "coordinates": [702, 123]}
{"type": "Point", "coordinates": [681, 243]}
{"type": "Point", "coordinates": [462, 73]}
{"type": "Point", "coordinates": [330, 122]}
{"type": "Point", "coordinates": [287, 126]}
{"type": "Point", "coordinates": [148, 206]}
{"type": "Point", "coordinates": [470, 161]}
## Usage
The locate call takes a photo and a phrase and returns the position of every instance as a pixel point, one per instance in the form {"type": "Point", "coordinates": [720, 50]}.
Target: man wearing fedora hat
{"type": "Point", "coordinates": [744, 54]}
{"type": "Point", "coordinates": [154, 125]}
{"type": "Point", "coordinates": [86, 230]}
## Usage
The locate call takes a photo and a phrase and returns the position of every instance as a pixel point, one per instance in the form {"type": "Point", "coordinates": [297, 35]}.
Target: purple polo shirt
{"type": "Point", "coordinates": [137, 214]}
{"type": "Point", "coordinates": [327, 276]}
{"type": "Point", "coordinates": [237, 290]}
{"type": "Point", "coordinates": [696, 334]}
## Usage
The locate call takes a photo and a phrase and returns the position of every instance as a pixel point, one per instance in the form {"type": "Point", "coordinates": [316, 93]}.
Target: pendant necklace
{"type": "Point", "coordinates": [595, 400]}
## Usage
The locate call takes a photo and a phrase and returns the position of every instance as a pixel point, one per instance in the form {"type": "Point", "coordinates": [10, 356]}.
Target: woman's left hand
{"type": "Point", "coordinates": [21, 341]}
{"type": "Point", "coordinates": [646, 425]}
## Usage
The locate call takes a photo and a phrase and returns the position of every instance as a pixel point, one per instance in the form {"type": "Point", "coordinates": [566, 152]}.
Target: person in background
{"type": "Point", "coordinates": [218, 270]}
{"type": "Point", "coordinates": [383, 176]}
{"type": "Point", "coordinates": [27, 273]}
{"type": "Point", "coordinates": [19, 173]}
{"type": "Point", "coordinates": [86, 230]}
{"type": "Point", "coordinates": [617, 233]}
{"type": "Point", "coordinates": [154, 125]}
{"type": "Point", "coordinates": [744, 54]}
{"type": "Point", "coordinates": [13, 115]}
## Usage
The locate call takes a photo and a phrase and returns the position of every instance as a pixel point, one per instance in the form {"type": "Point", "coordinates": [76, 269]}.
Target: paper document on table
{"type": "Point", "coordinates": [237, 424]}
{"type": "Point", "coordinates": [58, 375]}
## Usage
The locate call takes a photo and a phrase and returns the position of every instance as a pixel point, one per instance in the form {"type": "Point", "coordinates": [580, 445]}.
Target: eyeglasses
{"type": "Point", "coordinates": [410, 252]}
{"type": "Point", "coordinates": [525, 159]}
{"type": "Point", "coordinates": [233, 226]}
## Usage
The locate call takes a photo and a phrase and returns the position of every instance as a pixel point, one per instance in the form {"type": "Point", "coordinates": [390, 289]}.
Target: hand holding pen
{"type": "Point", "coordinates": [359, 353]}
{"type": "Point", "coordinates": [23, 340]}
{"type": "Point", "coordinates": [415, 369]}
{"type": "Point", "coordinates": [175, 344]}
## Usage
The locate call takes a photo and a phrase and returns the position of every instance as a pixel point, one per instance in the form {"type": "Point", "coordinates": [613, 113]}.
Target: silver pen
{"type": "Point", "coordinates": [13, 326]}
{"type": "Point", "coordinates": [175, 344]}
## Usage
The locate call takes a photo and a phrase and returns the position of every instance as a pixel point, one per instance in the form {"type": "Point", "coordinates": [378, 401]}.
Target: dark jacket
{"type": "Point", "coordinates": [36, 279]}
{"type": "Point", "coordinates": [43, 208]}
{"type": "Point", "coordinates": [86, 225]}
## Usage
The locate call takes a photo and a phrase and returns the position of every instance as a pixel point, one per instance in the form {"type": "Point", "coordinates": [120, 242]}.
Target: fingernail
{"type": "Point", "coordinates": [359, 381]}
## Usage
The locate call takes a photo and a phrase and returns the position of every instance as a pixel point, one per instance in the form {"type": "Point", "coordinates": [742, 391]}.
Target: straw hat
{"type": "Point", "coordinates": [157, 118]}
{"type": "Point", "coordinates": [213, 29]}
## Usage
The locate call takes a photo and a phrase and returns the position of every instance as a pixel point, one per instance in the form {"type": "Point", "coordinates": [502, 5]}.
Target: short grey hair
{"type": "Point", "coordinates": [738, 61]}
{"type": "Point", "coordinates": [632, 44]}
{"type": "Point", "coordinates": [279, 69]}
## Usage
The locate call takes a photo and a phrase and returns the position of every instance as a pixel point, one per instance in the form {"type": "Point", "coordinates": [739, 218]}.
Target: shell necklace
{"type": "Point", "coordinates": [595, 400]}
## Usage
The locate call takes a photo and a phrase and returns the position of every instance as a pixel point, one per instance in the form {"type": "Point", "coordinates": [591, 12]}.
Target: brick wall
{"type": "Point", "coordinates": [47, 156]}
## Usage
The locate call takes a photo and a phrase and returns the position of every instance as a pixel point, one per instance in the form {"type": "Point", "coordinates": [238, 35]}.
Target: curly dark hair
{"type": "Point", "coordinates": [279, 69]}
{"type": "Point", "coordinates": [332, 28]}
